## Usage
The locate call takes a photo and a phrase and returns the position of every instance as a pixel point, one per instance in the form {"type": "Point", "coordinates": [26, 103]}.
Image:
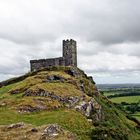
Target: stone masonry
{"type": "Point", "coordinates": [69, 57]}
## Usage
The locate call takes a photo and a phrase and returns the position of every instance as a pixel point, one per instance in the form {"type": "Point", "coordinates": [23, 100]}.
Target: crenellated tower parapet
{"type": "Point", "coordinates": [69, 42]}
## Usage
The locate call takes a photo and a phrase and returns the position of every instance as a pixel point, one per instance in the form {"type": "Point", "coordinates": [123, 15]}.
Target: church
{"type": "Point", "coordinates": [69, 57]}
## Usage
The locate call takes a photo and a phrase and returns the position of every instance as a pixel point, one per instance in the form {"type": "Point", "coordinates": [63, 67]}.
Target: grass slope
{"type": "Point", "coordinates": [68, 119]}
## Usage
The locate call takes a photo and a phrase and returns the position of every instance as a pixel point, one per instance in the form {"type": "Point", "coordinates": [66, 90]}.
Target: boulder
{"type": "Point", "coordinates": [64, 100]}
{"type": "Point", "coordinates": [28, 109]}
{"type": "Point", "coordinates": [17, 125]}
{"type": "Point", "coordinates": [92, 110]}
{"type": "Point", "coordinates": [52, 130]}
{"type": "Point", "coordinates": [73, 72]}
{"type": "Point", "coordinates": [54, 78]}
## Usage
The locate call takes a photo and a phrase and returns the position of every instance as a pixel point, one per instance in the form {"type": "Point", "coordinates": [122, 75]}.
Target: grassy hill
{"type": "Point", "coordinates": [60, 103]}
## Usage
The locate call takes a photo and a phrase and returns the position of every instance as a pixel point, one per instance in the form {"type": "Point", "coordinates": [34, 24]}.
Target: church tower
{"type": "Point", "coordinates": [70, 52]}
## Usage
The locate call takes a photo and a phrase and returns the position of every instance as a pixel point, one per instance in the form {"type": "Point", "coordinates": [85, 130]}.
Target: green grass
{"type": "Point", "coordinates": [69, 119]}
{"type": "Point", "coordinates": [5, 89]}
{"type": "Point", "coordinates": [128, 99]}
{"type": "Point", "coordinates": [137, 115]}
{"type": "Point", "coordinates": [113, 93]}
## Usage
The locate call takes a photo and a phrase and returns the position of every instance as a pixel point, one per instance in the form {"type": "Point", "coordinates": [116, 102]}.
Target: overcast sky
{"type": "Point", "coordinates": [107, 34]}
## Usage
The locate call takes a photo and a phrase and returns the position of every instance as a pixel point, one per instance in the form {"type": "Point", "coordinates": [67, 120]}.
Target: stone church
{"type": "Point", "coordinates": [69, 57]}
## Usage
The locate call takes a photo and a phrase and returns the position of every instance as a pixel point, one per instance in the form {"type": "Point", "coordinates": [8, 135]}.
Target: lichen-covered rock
{"type": "Point", "coordinates": [90, 109]}
{"type": "Point", "coordinates": [17, 125]}
{"type": "Point", "coordinates": [73, 72]}
{"type": "Point", "coordinates": [54, 78]}
{"type": "Point", "coordinates": [52, 130]}
{"type": "Point", "coordinates": [28, 109]}
{"type": "Point", "coordinates": [70, 101]}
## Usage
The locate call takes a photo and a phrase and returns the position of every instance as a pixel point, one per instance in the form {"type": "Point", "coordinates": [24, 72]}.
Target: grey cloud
{"type": "Point", "coordinates": [107, 32]}
{"type": "Point", "coordinates": [108, 22]}
{"type": "Point", "coordinates": [14, 58]}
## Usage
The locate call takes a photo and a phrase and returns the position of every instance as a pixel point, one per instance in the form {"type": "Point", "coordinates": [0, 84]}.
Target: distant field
{"type": "Point", "coordinates": [128, 99]}
{"type": "Point", "coordinates": [129, 93]}
{"type": "Point", "coordinates": [110, 93]}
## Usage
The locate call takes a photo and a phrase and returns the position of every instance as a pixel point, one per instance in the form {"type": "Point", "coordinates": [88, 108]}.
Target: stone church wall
{"type": "Point", "coordinates": [46, 63]}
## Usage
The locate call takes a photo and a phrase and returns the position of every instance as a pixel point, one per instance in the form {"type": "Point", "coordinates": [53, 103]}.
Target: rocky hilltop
{"type": "Point", "coordinates": [60, 103]}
